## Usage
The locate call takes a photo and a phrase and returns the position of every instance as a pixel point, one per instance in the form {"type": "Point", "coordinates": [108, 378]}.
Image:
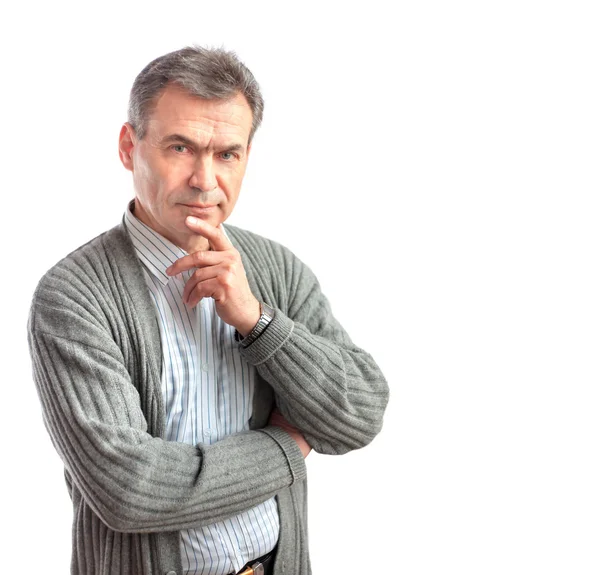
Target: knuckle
{"type": "Point", "coordinates": [197, 291]}
{"type": "Point", "coordinates": [227, 279]}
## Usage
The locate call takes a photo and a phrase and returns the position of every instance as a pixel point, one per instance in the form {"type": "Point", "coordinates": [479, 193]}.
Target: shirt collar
{"type": "Point", "coordinates": [155, 252]}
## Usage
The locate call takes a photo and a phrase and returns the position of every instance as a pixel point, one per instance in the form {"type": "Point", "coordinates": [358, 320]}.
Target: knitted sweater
{"type": "Point", "coordinates": [96, 357]}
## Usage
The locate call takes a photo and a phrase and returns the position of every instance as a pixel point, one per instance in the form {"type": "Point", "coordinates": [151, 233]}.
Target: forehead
{"type": "Point", "coordinates": [177, 109]}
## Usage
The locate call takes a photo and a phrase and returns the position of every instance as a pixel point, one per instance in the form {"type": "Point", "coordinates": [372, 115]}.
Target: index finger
{"type": "Point", "coordinates": [216, 237]}
{"type": "Point", "coordinates": [194, 260]}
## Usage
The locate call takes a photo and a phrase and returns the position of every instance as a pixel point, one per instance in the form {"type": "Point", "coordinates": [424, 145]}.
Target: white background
{"type": "Point", "coordinates": [436, 164]}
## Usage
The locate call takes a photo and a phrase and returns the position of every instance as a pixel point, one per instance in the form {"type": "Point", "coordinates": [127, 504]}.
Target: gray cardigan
{"type": "Point", "coordinates": [96, 357]}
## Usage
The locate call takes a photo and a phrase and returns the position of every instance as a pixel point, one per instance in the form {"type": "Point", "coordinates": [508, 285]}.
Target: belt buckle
{"type": "Point", "coordinates": [256, 569]}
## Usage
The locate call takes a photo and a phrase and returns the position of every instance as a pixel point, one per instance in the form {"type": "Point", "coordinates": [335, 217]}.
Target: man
{"type": "Point", "coordinates": [186, 368]}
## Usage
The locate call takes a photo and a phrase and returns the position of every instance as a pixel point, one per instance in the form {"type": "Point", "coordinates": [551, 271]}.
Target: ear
{"type": "Point", "coordinates": [127, 141]}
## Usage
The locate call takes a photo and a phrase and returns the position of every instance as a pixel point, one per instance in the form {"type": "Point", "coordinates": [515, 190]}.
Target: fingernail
{"type": "Point", "coordinates": [192, 220]}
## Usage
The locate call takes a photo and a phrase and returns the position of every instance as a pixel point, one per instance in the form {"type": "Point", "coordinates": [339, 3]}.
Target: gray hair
{"type": "Point", "coordinates": [209, 73]}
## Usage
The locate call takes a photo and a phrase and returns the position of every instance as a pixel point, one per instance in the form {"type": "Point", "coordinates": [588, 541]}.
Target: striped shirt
{"type": "Point", "coordinates": [207, 389]}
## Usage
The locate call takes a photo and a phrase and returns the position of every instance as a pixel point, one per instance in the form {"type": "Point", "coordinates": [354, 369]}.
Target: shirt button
{"type": "Point", "coordinates": [207, 433]}
{"type": "Point", "coordinates": [171, 573]}
{"type": "Point", "coordinates": [205, 367]}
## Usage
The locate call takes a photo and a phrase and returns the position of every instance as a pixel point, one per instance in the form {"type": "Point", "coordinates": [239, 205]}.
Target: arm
{"type": "Point", "coordinates": [327, 387]}
{"type": "Point", "coordinates": [133, 481]}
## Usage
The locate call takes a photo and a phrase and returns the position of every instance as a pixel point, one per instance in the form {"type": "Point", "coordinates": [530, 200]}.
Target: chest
{"type": "Point", "coordinates": [208, 389]}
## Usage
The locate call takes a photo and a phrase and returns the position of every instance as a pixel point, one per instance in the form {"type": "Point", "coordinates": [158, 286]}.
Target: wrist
{"type": "Point", "coordinates": [266, 315]}
{"type": "Point", "coordinates": [249, 323]}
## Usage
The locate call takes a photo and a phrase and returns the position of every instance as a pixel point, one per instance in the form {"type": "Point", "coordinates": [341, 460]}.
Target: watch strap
{"type": "Point", "coordinates": [267, 313]}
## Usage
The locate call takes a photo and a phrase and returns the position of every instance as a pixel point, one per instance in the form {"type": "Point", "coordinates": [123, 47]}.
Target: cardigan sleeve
{"type": "Point", "coordinates": [329, 388]}
{"type": "Point", "coordinates": [133, 481]}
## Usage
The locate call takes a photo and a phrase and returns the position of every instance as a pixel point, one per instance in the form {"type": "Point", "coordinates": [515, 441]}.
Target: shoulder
{"type": "Point", "coordinates": [273, 264]}
{"type": "Point", "coordinates": [261, 253]}
{"type": "Point", "coordinates": [252, 242]}
{"type": "Point", "coordinates": [83, 281]}
{"type": "Point", "coordinates": [88, 261]}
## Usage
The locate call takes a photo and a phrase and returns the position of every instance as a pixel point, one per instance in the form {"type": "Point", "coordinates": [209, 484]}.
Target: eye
{"type": "Point", "coordinates": [227, 156]}
{"type": "Point", "coordinates": [179, 148]}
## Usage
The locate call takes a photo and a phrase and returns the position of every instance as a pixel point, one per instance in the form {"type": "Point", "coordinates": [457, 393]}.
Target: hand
{"type": "Point", "coordinates": [278, 420]}
{"type": "Point", "coordinates": [220, 275]}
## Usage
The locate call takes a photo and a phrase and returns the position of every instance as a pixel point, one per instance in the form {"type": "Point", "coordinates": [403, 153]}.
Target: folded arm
{"type": "Point", "coordinates": [327, 387]}
{"type": "Point", "coordinates": [133, 481]}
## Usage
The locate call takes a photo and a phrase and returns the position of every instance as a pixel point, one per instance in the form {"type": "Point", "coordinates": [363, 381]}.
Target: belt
{"type": "Point", "coordinates": [261, 566]}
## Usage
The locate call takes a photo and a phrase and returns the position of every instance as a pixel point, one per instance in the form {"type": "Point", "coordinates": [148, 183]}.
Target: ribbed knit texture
{"type": "Point", "coordinates": [207, 389]}
{"type": "Point", "coordinates": [95, 351]}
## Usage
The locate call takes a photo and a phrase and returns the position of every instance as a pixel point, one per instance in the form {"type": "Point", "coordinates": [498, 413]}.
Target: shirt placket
{"type": "Point", "coordinates": [206, 380]}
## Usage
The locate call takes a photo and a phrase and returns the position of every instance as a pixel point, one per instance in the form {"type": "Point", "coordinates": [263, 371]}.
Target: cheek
{"type": "Point", "coordinates": [232, 180]}
{"type": "Point", "coordinates": [232, 192]}
{"type": "Point", "coordinates": [172, 176]}
{"type": "Point", "coordinates": [144, 176]}
{"type": "Point", "coordinates": [158, 180]}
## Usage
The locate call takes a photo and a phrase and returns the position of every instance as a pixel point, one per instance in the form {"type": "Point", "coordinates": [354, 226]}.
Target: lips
{"type": "Point", "coordinates": [199, 206]}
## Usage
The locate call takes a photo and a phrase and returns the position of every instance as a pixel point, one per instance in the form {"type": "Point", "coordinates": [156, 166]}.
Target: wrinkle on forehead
{"type": "Point", "coordinates": [177, 111]}
{"type": "Point", "coordinates": [198, 130]}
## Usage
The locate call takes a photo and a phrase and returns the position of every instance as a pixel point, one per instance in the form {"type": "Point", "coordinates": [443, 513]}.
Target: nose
{"type": "Point", "coordinates": [203, 177]}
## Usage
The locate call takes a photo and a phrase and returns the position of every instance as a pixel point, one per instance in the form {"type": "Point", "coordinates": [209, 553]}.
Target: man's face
{"type": "Point", "coordinates": [191, 162]}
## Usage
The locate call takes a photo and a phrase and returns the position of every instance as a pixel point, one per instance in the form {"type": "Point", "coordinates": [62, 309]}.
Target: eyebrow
{"type": "Point", "coordinates": [184, 140]}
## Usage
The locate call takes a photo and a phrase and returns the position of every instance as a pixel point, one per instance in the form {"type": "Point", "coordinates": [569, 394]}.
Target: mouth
{"type": "Point", "coordinates": [199, 207]}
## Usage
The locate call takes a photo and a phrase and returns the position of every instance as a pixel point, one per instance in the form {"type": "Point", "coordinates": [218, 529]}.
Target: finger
{"type": "Point", "coordinates": [201, 275]}
{"type": "Point", "coordinates": [275, 417]}
{"type": "Point", "coordinates": [279, 420]}
{"type": "Point", "coordinates": [196, 260]}
{"type": "Point", "coordinates": [216, 238]}
{"type": "Point", "coordinates": [208, 288]}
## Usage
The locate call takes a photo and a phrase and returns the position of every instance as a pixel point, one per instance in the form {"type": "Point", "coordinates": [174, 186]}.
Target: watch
{"type": "Point", "coordinates": [267, 313]}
